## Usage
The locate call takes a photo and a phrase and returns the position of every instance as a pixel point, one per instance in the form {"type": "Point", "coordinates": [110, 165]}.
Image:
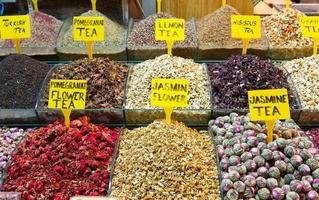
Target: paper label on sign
{"type": "Point", "coordinates": [245, 27]}
{"type": "Point", "coordinates": [169, 93]}
{"type": "Point", "coordinates": [170, 29]}
{"type": "Point", "coordinates": [67, 94]}
{"type": "Point", "coordinates": [269, 104]}
{"type": "Point", "coordinates": [309, 26]}
{"type": "Point", "coordinates": [92, 198]}
{"type": "Point", "coordinates": [15, 27]}
{"type": "Point", "coordinates": [88, 28]}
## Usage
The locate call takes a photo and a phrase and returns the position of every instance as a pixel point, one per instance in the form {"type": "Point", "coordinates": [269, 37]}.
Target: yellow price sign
{"type": "Point", "coordinates": [67, 95]}
{"type": "Point", "coordinates": [169, 93]}
{"type": "Point", "coordinates": [245, 27]}
{"type": "Point", "coordinates": [88, 28]}
{"type": "Point", "coordinates": [310, 28]}
{"type": "Point", "coordinates": [15, 27]}
{"type": "Point", "coordinates": [269, 105]}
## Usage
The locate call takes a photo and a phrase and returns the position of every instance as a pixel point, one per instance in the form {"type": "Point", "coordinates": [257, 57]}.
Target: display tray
{"type": "Point", "coordinates": [10, 195]}
{"type": "Point", "coordinates": [310, 9]}
{"type": "Point", "coordinates": [282, 53]}
{"type": "Point", "coordinates": [113, 116]}
{"type": "Point", "coordinates": [73, 53]}
{"type": "Point", "coordinates": [140, 53]}
{"type": "Point", "coordinates": [309, 118]}
{"type": "Point", "coordinates": [18, 116]}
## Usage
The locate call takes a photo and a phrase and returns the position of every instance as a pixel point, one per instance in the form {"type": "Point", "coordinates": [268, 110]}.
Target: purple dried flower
{"type": "Point", "coordinates": [296, 186]}
{"type": "Point", "coordinates": [292, 196]}
{"type": "Point", "coordinates": [246, 156]}
{"type": "Point", "coordinates": [250, 181]}
{"type": "Point", "coordinates": [232, 194]}
{"type": "Point", "coordinates": [239, 186]}
{"type": "Point", "coordinates": [296, 160]}
{"type": "Point", "coordinates": [281, 165]}
{"type": "Point", "coordinates": [278, 194]}
{"type": "Point", "coordinates": [226, 185]}
{"type": "Point", "coordinates": [272, 183]}
{"type": "Point", "coordinates": [260, 161]}
{"type": "Point", "coordinates": [312, 195]}
{"type": "Point", "coordinates": [263, 172]}
{"type": "Point", "coordinates": [263, 193]}
{"type": "Point", "coordinates": [261, 182]}
{"type": "Point", "coordinates": [304, 169]}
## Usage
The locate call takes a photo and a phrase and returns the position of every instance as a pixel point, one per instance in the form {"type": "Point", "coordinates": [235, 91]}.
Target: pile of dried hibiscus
{"type": "Point", "coordinates": [56, 163]}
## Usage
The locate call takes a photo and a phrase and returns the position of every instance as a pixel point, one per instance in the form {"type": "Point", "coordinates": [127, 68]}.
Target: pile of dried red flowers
{"type": "Point", "coordinates": [56, 163]}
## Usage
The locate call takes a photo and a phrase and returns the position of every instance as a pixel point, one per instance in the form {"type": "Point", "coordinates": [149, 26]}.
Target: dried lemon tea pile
{"type": "Point", "coordinates": [304, 73]}
{"type": "Point", "coordinates": [283, 30]}
{"type": "Point", "coordinates": [114, 37]}
{"type": "Point", "coordinates": [215, 30]}
{"type": "Point", "coordinates": [141, 75]}
{"type": "Point", "coordinates": [165, 161]}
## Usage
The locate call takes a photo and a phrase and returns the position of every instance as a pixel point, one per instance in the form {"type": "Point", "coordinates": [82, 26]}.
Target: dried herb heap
{"type": "Point", "coordinates": [9, 138]}
{"type": "Point", "coordinates": [215, 30]}
{"type": "Point", "coordinates": [283, 29]}
{"type": "Point", "coordinates": [139, 85]}
{"type": "Point", "coordinates": [44, 32]}
{"type": "Point", "coordinates": [106, 81]}
{"type": "Point", "coordinates": [304, 73]}
{"type": "Point", "coordinates": [114, 36]}
{"type": "Point", "coordinates": [21, 78]}
{"type": "Point", "coordinates": [287, 129]}
{"type": "Point", "coordinates": [165, 161]}
{"type": "Point", "coordinates": [143, 34]}
{"type": "Point", "coordinates": [313, 134]}
{"type": "Point", "coordinates": [232, 79]}
{"type": "Point", "coordinates": [57, 163]}
{"type": "Point", "coordinates": [282, 169]}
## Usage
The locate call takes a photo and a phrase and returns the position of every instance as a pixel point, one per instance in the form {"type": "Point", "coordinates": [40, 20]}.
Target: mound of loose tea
{"type": "Point", "coordinates": [21, 78]}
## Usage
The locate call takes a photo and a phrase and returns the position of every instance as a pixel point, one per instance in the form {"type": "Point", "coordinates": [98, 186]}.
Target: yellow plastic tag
{"type": "Point", "coordinates": [245, 46]}
{"type": "Point", "coordinates": [35, 5]}
{"type": "Point", "coordinates": [287, 4]}
{"type": "Point", "coordinates": [170, 29]}
{"type": "Point", "coordinates": [224, 3]}
{"type": "Point", "coordinates": [269, 106]}
{"type": "Point", "coordinates": [92, 198]}
{"type": "Point", "coordinates": [93, 5]}
{"type": "Point", "coordinates": [245, 27]}
{"type": "Point", "coordinates": [159, 6]}
{"type": "Point", "coordinates": [67, 95]}
{"type": "Point", "coordinates": [15, 27]}
{"type": "Point", "coordinates": [169, 93]}
{"type": "Point", "coordinates": [310, 28]}
{"type": "Point", "coordinates": [88, 28]}
{"type": "Point", "coordinates": [17, 45]}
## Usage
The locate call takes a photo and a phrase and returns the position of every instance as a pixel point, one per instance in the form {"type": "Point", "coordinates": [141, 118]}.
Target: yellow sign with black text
{"type": "Point", "coordinates": [169, 93]}
{"type": "Point", "coordinates": [269, 105]}
{"type": "Point", "coordinates": [170, 29]}
{"type": "Point", "coordinates": [88, 28]}
{"type": "Point", "coordinates": [309, 26]}
{"type": "Point", "coordinates": [15, 27]}
{"type": "Point", "coordinates": [245, 27]}
{"type": "Point", "coordinates": [67, 94]}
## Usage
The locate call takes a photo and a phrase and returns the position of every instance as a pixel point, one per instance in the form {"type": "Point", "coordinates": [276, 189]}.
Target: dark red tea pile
{"type": "Point", "coordinates": [232, 79]}
{"type": "Point", "coordinates": [56, 163]}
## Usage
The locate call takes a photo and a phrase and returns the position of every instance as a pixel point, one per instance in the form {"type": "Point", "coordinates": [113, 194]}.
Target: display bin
{"type": "Point", "coordinates": [113, 116]}
{"type": "Point", "coordinates": [281, 53]}
{"type": "Point", "coordinates": [18, 116]}
{"type": "Point", "coordinates": [140, 53]}
{"type": "Point", "coordinates": [66, 53]}
{"type": "Point", "coordinates": [309, 118]}
{"type": "Point", "coordinates": [213, 52]}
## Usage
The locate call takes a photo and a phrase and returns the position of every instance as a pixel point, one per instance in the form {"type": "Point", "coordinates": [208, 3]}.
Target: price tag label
{"type": "Point", "coordinates": [88, 28]}
{"type": "Point", "coordinates": [169, 93]}
{"type": "Point", "coordinates": [309, 26]}
{"type": "Point", "coordinates": [245, 27]}
{"type": "Point", "coordinates": [15, 27]}
{"type": "Point", "coordinates": [67, 94]}
{"type": "Point", "coordinates": [269, 104]}
{"type": "Point", "coordinates": [92, 198]}
{"type": "Point", "coordinates": [170, 29]}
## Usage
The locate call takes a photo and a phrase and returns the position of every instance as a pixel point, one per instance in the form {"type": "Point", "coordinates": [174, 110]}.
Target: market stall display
{"type": "Point", "coordinates": [165, 161]}
{"type": "Point", "coordinates": [44, 33]}
{"type": "Point", "coordinates": [305, 76]}
{"type": "Point", "coordinates": [114, 45]}
{"type": "Point", "coordinates": [215, 41]}
{"type": "Point", "coordinates": [233, 78]}
{"type": "Point", "coordinates": [21, 78]}
{"type": "Point", "coordinates": [284, 35]}
{"type": "Point", "coordinates": [137, 106]}
{"type": "Point", "coordinates": [54, 162]}
{"type": "Point", "coordinates": [142, 45]}
{"type": "Point", "coordinates": [313, 134]}
{"type": "Point", "coordinates": [105, 90]}
{"type": "Point", "coordinates": [9, 139]}
{"type": "Point", "coordinates": [282, 169]}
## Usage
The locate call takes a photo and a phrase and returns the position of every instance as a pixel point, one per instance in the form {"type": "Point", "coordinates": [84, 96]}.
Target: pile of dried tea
{"type": "Point", "coordinates": [115, 36]}
{"type": "Point", "coordinates": [283, 29]}
{"type": "Point", "coordinates": [139, 84]}
{"type": "Point", "coordinates": [106, 81]}
{"type": "Point", "coordinates": [143, 34]}
{"type": "Point", "coordinates": [214, 30]}
{"type": "Point", "coordinates": [21, 78]}
{"type": "Point", "coordinates": [169, 161]}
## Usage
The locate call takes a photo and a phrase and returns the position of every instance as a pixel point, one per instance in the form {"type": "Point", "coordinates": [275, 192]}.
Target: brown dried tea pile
{"type": "Point", "coordinates": [44, 32]}
{"type": "Point", "coordinates": [214, 30]}
{"type": "Point", "coordinates": [165, 161]}
{"type": "Point", "coordinates": [106, 81]}
{"type": "Point", "coordinates": [21, 78]}
{"type": "Point", "coordinates": [115, 36]}
{"type": "Point", "coordinates": [143, 34]}
{"type": "Point", "coordinates": [232, 79]}
{"type": "Point", "coordinates": [141, 75]}
{"type": "Point", "coordinates": [283, 30]}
